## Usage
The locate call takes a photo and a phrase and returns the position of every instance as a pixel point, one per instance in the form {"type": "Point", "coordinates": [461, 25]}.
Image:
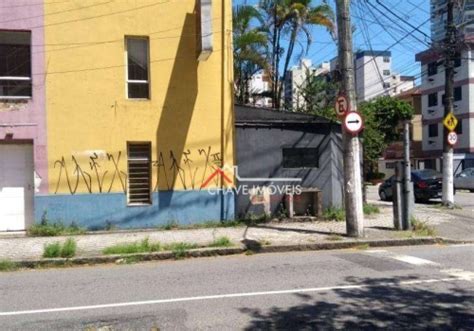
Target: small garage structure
{"type": "Point", "coordinates": [288, 163]}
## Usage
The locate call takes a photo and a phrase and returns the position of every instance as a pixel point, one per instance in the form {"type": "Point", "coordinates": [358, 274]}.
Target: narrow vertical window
{"type": "Point", "coordinates": [139, 173]}
{"type": "Point", "coordinates": [15, 65]}
{"type": "Point", "coordinates": [138, 82]}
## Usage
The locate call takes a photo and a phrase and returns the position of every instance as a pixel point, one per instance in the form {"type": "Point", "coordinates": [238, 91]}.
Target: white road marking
{"type": "Point", "coordinates": [403, 258]}
{"type": "Point", "coordinates": [462, 245]}
{"type": "Point", "coordinates": [459, 273]}
{"type": "Point", "coordinates": [226, 296]}
{"type": "Point", "coordinates": [413, 260]}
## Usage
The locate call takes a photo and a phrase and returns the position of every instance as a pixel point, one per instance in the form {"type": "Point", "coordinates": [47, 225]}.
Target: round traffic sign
{"type": "Point", "coordinates": [342, 105]}
{"type": "Point", "coordinates": [353, 122]}
{"type": "Point", "coordinates": [452, 138]}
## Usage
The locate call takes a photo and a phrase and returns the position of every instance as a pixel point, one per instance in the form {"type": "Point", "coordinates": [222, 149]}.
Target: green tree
{"type": "Point", "coordinates": [250, 49]}
{"type": "Point", "coordinates": [382, 117]}
{"type": "Point", "coordinates": [292, 19]}
{"type": "Point", "coordinates": [318, 94]}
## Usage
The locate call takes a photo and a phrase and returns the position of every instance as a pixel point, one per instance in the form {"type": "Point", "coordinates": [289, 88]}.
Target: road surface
{"type": "Point", "coordinates": [396, 288]}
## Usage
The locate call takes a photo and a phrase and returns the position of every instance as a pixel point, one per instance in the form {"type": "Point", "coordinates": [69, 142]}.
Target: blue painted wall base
{"type": "Point", "coordinates": [98, 211]}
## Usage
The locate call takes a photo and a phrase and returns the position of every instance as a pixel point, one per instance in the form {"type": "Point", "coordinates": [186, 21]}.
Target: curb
{"type": "Point", "coordinates": [250, 246]}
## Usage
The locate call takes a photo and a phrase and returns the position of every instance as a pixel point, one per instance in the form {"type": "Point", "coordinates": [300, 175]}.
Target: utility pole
{"type": "Point", "coordinates": [351, 148]}
{"type": "Point", "coordinates": [408, 193]}
{"type": "Point", "coordinates": [450, 51]}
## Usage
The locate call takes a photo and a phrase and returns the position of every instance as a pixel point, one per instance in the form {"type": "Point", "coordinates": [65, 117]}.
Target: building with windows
{"type": "Point", "coordinates": [433, 86]}
{"type": "Point", "coordinates": [298, 150]}
{"type": "Point", "coordinates": [260, 88]}
{"type": "Point", "coordinates": [112, 117]}
{"type": "Point", "coordinates": [374, 76]}
{"type": "Point", "coordinates": [464, 18]}
{"type": "Point", "coordinates": [296, 79]}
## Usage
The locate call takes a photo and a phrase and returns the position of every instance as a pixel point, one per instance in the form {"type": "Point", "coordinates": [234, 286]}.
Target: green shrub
{"type": "Point", "coordinates": [69, 248]}
{"type": "Point", "coordinates": [52, 250]}
{"type": "Point", "coordinates": [46, 229]}
{"type": "Point", "coordinates": [138, 247]}
{"type": "Point", "coordinates": [422, 229]}
{"type": "Point", "coordinates": [335, 214]}
{"type": "Point", "coordinates": [370, 209]}
{"type": "Point", "coordinates": [221, 242]}
{"type": "Point", "coordinates": [179, 249]}
{"type": "Point", "coordinates": [6, 265]}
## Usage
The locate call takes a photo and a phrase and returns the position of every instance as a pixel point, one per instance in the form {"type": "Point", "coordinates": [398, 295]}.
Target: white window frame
{"type": "Point", "coordinates": [137, 81]}
{"type": "Point", "coordinates": [19, 97]}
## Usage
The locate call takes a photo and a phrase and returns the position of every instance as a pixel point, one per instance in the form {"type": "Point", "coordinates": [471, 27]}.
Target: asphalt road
{"type": "Point", "coordinates": [399, 288]}
{"type": "Point", "coordinates": [464, 199]}
{"type": "Point", "coordinates": [462, 228]}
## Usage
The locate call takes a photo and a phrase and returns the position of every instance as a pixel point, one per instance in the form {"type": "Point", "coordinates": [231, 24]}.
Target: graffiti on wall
{"type": "Point", "coordinates": [104, 172]}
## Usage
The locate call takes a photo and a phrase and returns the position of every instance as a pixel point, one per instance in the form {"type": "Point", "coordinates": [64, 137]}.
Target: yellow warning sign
{"type": "Point", "coordinates": [450, 122]}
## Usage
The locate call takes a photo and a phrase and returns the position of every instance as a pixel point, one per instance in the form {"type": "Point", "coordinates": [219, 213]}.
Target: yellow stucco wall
{"type": "Point", "coordinates": [89, 119]}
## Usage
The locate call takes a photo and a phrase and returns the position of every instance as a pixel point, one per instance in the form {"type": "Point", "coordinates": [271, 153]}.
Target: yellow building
{"type": "Point", "coordinates": [139, 111]}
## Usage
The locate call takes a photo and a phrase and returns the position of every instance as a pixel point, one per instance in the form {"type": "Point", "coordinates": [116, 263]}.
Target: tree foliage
{"type": "Point", "coordinates": [318, 94]}
{"type": "Point", "coordinates": [250, 49]}
{"type": "Point", "coordinates": [259, 35]}
{"type": "Point", "coordinates": [382, 117]}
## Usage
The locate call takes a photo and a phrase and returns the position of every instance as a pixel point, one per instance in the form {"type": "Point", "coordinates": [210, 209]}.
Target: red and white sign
{"type": "Point", "coordinates": [342, 105]}
{"type": "Point", "coordinates": [353, 122]}
{"type": "Point", "coordinates": [452, 138]}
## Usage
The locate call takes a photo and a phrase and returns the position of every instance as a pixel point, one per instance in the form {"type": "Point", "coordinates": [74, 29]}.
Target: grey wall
{"type": "Point", "coordinates": [259, 154]}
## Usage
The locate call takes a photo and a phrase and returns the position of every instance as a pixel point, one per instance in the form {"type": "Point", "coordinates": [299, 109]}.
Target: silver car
{"type": "Point", "coordinates": [465, 180]}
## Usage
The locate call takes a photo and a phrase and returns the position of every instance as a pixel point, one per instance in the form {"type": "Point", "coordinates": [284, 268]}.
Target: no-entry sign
{"type": "Point", "coordinates": [452, 138]}
{"type": "Point", "coordinates": [342, 105]}
{"type": "Point", "coordinates": [353, 122]}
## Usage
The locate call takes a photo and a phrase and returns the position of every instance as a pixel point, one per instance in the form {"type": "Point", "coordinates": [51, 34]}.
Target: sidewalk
{"type": "Point", "coordinates": [377, 227]}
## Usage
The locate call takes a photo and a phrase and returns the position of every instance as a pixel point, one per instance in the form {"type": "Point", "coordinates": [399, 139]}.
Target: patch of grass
{"type": "Point", "coordinates": [221, 242]}
{"type": "Point", "coordinates": [265, 242]}
{"type": "Point", "coordinates": [334, 214]}
{"type": "Point", "coordinates": [66, 250]}
{"type": "Point", "coordinates": [422, 229]}
{"type": "Point", "coordinates": [46, 229]}
{"type": "Point", "coordinates": [69, 248]}
{"type": "Point", "coordinates": [370, 209]}
{"type": "Point", "coordinates": [6, 265]}
{"type": "Point", "coordinates": [249, 252]}
{"type": "Point", "coordinates": [143, 246]}
{"type": "Point", "coordinates": [52, 250]}
{"type": "Point", "coordinates": [334, 237]}
{"type": "Point", "coordinates": [179, 249]}
{"type": "Point", "coordinates": [362, 246]}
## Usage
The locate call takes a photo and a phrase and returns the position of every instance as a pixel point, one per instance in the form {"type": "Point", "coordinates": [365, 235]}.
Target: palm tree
{"type": "Point", "coordinates": [293, 18]}
{"type": "Point", "coordinates": [250, 49]}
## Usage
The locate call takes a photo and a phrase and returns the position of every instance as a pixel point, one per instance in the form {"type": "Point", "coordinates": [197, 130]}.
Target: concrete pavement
{"type": "Point", "coordinates": [417, 287]}
{"type": "Point", "coordinates": [377, 227]}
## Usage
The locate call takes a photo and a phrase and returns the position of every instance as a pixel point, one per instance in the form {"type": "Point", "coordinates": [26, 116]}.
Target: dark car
{"type": "Point", "coordinates": [428, 185]}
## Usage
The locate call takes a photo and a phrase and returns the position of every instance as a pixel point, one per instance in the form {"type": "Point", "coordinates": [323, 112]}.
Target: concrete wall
{"type": "Point", "coordinates": [26, 119]}
{"type": "Point", "coordinates": [259, 154]}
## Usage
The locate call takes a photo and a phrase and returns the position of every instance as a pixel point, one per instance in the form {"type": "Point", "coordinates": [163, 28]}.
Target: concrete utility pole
{"type": "Point", "coordinates": [450, 51]}
{"type": "Point", "coordinates": [407, 184]}
{"type": "Point", "coordinates": [351, 148]}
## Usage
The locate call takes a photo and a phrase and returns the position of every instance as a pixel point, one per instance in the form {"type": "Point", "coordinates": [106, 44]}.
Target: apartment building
{"type": "Point", "coordinates": [433, 86]}
{"type": "Point", "coordinates": [296, 78]}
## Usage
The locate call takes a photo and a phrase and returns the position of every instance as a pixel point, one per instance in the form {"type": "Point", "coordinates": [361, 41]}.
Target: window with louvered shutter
{"type": "Point", "coordinates": [139, 173]}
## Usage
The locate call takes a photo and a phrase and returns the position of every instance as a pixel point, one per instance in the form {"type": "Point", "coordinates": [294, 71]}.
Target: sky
{"type": "Point", "coordinates": [377, 28]}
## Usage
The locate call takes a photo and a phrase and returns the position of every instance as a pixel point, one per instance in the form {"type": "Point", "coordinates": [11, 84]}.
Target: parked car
{"type": "Point", "coordinates": [465, 180]}
{"type": "Point", "coordinates": [428, 185]}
